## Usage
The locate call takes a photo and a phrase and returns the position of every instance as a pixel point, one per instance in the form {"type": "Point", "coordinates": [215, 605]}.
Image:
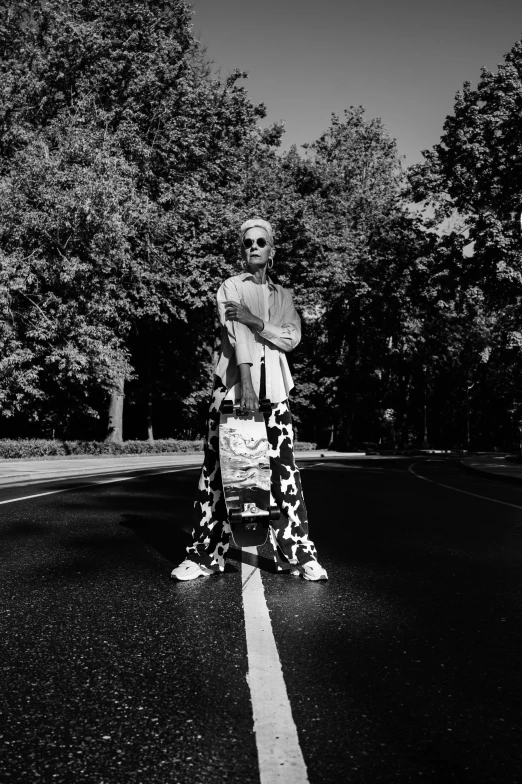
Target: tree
{"type": "Point", "coordinates": [73, 231]}
{"type": "Point", "coordinates": [351, 184]}
{"type": "Point", "coordinates": [128, 78]}
{"type": "Point", "coordinates": [475, 171]}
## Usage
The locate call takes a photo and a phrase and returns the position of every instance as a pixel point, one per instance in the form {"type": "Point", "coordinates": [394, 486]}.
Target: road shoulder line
{"type": "Point", "coordinates": [458, 490]}
{"type": "Point", "coordinates": [92, 484]}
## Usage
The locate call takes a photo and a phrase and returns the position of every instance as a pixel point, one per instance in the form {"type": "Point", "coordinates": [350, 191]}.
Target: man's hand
{"type": "Point", "coordinates": [249, 399]}
{"type": "Point", "coordinates": [238, 311]}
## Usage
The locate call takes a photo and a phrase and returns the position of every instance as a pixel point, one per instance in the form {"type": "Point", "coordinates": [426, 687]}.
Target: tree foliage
{"type": "Point", "coordinates": [475, 172]}
{"type": "Point", "coordinates": [126, 166]}
{"type": "Point", "coordinates": [122, 158]}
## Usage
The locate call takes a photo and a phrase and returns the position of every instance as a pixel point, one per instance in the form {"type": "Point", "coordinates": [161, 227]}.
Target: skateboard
{"type": "Point", "coordinates": [245, 473]}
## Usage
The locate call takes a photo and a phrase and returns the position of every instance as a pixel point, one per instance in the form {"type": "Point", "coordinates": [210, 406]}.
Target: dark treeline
{"type": "Point", "coordinates": [126, 166]}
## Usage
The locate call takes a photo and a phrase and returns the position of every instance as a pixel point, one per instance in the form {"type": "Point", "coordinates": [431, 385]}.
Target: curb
{"type": "Point", "coordinates": [33, 478]}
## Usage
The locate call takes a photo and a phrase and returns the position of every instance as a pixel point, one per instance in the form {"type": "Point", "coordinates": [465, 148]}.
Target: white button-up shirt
{"type": "Point", "coordinates": [240, 344]}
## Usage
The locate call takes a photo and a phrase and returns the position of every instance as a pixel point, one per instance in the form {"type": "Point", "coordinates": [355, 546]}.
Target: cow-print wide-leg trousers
{"type": "Point", "coordinates": [288, 535]}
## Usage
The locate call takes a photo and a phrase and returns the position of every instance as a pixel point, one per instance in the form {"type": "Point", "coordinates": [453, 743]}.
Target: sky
{"type": "Point", "coordinates": [403, 60]}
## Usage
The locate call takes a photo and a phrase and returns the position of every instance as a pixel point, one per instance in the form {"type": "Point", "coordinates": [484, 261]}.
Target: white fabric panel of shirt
{"type": "Point", "coordinates": [240, 344]}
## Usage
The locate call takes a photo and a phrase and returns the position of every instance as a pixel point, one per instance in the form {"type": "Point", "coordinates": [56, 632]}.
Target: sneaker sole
{"type": "Point", "coordinates": [190, 577]}
{"type": "Point", "coordinates": [299, 571]}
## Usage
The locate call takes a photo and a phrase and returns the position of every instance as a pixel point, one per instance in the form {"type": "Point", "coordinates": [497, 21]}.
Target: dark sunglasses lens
{"type": "Point", "coordinates": [260, 243]}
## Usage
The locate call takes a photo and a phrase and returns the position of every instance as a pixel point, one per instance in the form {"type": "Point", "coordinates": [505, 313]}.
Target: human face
{"type": "Point", "coordinates": [256, 258]}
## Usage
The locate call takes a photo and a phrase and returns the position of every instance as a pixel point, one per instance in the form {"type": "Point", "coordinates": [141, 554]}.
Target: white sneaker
{"type": "Point", "coordinates": [313, 571]}
{"type": "Point", "coordinates": [189, 570]}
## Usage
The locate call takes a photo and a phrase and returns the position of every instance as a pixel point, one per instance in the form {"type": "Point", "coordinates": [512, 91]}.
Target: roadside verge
{"type": "Point", "coordinates": [28, 472]}
{"type": "Point", "coordinates": [494, 466]}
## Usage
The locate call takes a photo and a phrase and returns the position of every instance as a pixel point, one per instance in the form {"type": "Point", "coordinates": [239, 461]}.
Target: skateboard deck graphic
{"type": "Point", "coordinates": [245, 472]}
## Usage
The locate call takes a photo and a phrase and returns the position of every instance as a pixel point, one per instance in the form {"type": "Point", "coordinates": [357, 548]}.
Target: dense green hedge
{"type": "Point", "coordinates": [41, 447]}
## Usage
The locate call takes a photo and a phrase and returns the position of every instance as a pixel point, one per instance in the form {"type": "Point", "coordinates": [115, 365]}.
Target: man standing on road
{"type": "Point", "coordinates": [259, 325]}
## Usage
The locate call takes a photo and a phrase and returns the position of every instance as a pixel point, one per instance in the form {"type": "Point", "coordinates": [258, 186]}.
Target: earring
{"type": "Point", "coordinates": [270, 262]}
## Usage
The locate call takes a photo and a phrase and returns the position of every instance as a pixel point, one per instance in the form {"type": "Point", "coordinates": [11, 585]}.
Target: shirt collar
{"type": "Point", "coordinates": [249, 276]}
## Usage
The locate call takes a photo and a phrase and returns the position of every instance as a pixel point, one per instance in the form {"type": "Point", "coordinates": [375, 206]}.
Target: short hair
{"type": "Point", "coordinates": [262, 224]}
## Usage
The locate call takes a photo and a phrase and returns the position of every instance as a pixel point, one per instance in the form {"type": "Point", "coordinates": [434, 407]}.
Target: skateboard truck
{"type": "Point", "coordinates": [251, 511]}
{"type": "Point", "coordinates": [228, 407]}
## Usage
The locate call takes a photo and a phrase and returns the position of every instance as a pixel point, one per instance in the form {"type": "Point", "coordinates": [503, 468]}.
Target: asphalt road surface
{"type": "Point", "coordinates": [404, 667]}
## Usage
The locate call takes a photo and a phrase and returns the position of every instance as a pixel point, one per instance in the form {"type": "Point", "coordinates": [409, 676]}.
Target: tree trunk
{"type": "Point", "coordinates": [115, 427]}
{"type": "Point", "coordinates": [150, 430]}
{"type": "Point", "coordinates": [403, 418]}
{"type": "Point", "coordinates": [392, 433]}
{"type": "Point", "coordinates": [347, 431]}
{"type": "Point", "coordinates": [469, 387]}
{"type": "Point", "coordinates": [425, 442]}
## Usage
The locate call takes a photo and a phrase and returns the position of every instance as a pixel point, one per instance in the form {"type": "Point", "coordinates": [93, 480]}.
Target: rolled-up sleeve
{"type": "Point", "coordinates": [238, 334]}
{"type": "Point", "coordinates": [288, 335]}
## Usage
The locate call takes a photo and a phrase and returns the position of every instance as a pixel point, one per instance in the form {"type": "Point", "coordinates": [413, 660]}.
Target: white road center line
{"type": "Point", "coordinates": [279, 753]}
{"type": "Point", "coordinates": [91, 484]}
{"type": "Point", "coordinates": [465, 492]}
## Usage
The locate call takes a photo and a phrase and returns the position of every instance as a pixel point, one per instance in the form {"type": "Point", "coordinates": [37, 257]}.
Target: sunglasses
{"type": "Point", "coordinates": [260, 243]}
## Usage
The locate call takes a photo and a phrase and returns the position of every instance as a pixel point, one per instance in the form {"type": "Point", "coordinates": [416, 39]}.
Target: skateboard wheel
{"type": "Point", "coordinates": [236, 517]}
{"type": "Point", "coordinates": [274, 513]}
{"type": "Point", "coordinates": [227, 407]}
